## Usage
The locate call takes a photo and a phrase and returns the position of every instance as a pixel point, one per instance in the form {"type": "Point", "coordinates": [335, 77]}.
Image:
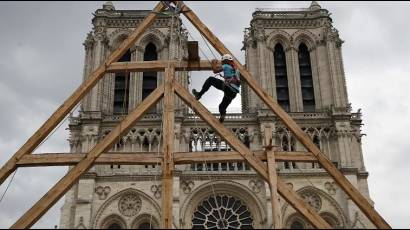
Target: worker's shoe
{"type": "Point", "coordinates": [222, 118]}
{"type": "Point", "coordinates": [196, 94]}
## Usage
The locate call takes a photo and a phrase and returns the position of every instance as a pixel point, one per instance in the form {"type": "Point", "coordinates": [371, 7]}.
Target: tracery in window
{"type": "Point", "coordinates": [222, 212]}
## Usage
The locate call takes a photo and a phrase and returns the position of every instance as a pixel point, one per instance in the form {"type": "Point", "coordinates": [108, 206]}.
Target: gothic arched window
{"type": "Point", "coordinates": [113, 222]}
{"type": "Point", "coordinates": [122, 87]}
{"type": "Point", "coordinates": [222, 212]}
{"type": "Point", "coordinates": [306, 80]}
{"type": "Point", "coordinates": [281, 77]}
{"type": "Point", "coordinates": [145, 221]}
{"type": "Point", "coordinates": [149, 79]}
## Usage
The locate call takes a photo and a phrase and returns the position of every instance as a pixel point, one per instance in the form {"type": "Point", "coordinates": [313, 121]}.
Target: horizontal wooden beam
{"type": "Point", "coordinates": [148, 158]}
{"type": "Point", "coordinates": [158, 66]}
{"type": "Point", "coordinates": [290, 196]}
{"type": "Point", "coordinates": [74, 174]}
{"type": "Point", "coordinates": [62, 159]}
{"type": "Point", "coordinates": [233, 156]}
{"type": "Point", "coordinates": [77, 95]}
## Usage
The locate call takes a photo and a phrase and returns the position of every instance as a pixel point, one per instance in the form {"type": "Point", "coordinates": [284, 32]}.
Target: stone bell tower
{"type": "Point", "coordinates": [295, 55]}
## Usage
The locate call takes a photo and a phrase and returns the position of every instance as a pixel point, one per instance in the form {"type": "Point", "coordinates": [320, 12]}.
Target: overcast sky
{"type": "Point", "coordinates": [41, 63]}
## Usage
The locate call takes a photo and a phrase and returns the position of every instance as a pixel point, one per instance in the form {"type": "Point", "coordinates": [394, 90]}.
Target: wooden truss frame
{"type": "Point", "coordinates": [98, 155]}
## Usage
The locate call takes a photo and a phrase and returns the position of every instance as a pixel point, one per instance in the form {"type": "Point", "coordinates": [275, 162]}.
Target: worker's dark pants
{"type": "Point", "coordinates": [229, 95]}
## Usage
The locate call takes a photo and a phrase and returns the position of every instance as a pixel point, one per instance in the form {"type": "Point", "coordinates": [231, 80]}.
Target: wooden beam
{"type": "Point", "coordinates": [140, 66]}
{"type": "Point", "coordinates": [233, 156]}
{"type": "Point", "coordinates": [353, 193]}
{"type": "Point", "coordinates": [149, 158]}
{"type": "Point", "coordinates": [273, 179]}
{"type": "Point", "coordinates": [78, 94]}
{"type": "Point", "coordinates": [168, 148]}
{"type": "Point", "coordinates": [158, 66]}
{"type": "Point", "coordinates": [59, 189]}
{"type": "Point", "coordinates": [254, 162]}
{"type": "Point", "coordinates": [66, 159]}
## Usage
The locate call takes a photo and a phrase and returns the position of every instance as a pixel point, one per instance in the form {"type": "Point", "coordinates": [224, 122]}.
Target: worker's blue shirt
{"type": "Point", "coordinates": [229, 72]}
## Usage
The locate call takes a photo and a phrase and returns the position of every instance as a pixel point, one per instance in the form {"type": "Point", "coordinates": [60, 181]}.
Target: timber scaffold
{"type": "Point", "coordinates": [263, 161]}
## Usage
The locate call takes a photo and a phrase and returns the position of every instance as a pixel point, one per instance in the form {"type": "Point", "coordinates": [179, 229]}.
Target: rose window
{"type": "Point", "coordinates": [313, 200]}
{"type": "Point", "coordinates": [222, 212]}
{"type": "Point", "coordinates": [129, 205]}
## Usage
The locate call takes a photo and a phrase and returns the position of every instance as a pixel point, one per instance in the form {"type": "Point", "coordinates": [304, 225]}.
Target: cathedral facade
{"type": "Point", "coordinates": [294, 54]}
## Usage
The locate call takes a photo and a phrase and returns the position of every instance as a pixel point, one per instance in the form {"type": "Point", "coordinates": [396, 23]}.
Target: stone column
{"type": "Point", "coordinates": [175, 197]}
{"type": "Point", "coordinates": [136, 80]}
{"type": "Point", "coordinates": [336, 76]}
{"type": "Point", "coordinates": [252, 60]}
{"type": "Point", "coordinates": [68, 210]}
{"type": "Point", "coordinates": [137, 54]}
{"type": "Point", "coordinates": [324, 75]}
{"type": "Point", "coordinates": [343, 143]}
{"type": "Point", "coordinates": [106, 89]}
{"type": "Point", "coordinates": [83, 215]}
{"type": "Point", "coordinates": [262, 77]}
{"type": "Point", "coordinates": [340, 69]}
{"type": "Point", "coordinates": [352, 209]}
{"type": "Point", "coordinates": [98, 59]}
{"type": "Point", "coordinates": [315, 78]}
{"type": "Point", "coordinates": [295, 91]}
{"type": "Point", "coordinates": [88, 66]}
{"type": "Point", "coordinates": [271, 77]}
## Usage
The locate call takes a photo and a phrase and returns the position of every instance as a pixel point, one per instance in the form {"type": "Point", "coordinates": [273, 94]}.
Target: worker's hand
{"type": "Point", "coordinates": [216, 66]}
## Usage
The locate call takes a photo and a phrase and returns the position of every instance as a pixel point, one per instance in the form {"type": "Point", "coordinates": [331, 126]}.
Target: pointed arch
{"type": "Point", "coordinates": [106, 209]}
{"type": "Point", "coordinates": [113, 222]}
{"type": "Point", "coordinates": [328, 207]}
{"type": "Point", "coordinates": [279, 36]}
{"type": "Point", "coordinates": [153, 36]}
{"type": "Point", "coordinates": [306, 79]}
{"type": "Point", "coordinates": [117, 37]}
{"type": "Point", "coordinates": [145, 221]}
{"type": "Point", "coordinates": [306, 37]}
{"type": "Point", "coordinates": [223, 187]}
{"type": "Point", "coordinates": [281, 77]}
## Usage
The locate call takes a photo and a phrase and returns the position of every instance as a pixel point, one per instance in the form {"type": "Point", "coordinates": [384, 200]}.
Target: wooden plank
{"type": "Point", "coordinates": [73, 100]}
{"type": "Point", "coordinates": [66, 159]}
{"type": "Point", "coordinates": [139, 66]}
{"type": "Point", "coordinates": [233, 156]}
{"type": "Point", "coordinates": [353, 193]}
{"type": "Point", "coordinates": [59, 189]}
{"type": "Point", "coordinates": [168, 148]}
{"type": "Point", "coordinates": [254, 162]}
{"type": "Point", "coordinates": [158, 66]}
{"type": "Point", "coordinates": [273, 179]}
{"type": "Point", "coordinates": [149, 158]}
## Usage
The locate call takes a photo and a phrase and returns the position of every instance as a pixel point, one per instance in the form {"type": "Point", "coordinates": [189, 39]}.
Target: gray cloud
{"type": "Point", "coordinates": [41, 62]}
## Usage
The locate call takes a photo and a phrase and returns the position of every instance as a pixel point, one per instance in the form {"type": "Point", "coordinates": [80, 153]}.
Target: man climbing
{"type": "Point", "coordinates": [230, 85]}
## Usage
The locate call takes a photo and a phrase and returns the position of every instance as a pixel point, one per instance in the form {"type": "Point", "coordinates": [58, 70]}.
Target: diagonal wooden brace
{"type": "Point", "coordinates": [291, 196]}
{"type": "Point", "coordinates": [62, 186]}
{"type": "Point", "coordinates": [78, 94]}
